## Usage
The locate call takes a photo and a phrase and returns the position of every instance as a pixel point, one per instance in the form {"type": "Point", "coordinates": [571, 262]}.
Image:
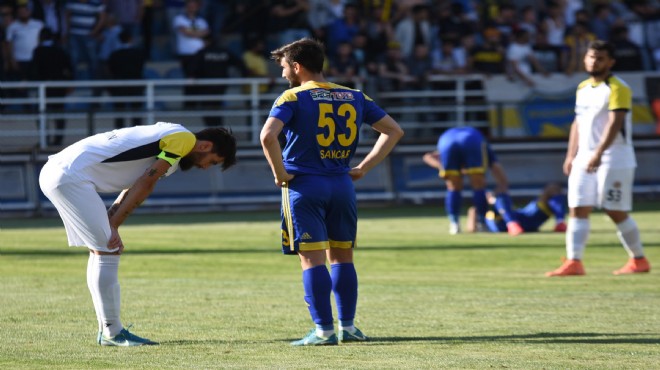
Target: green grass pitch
{"type": "Point", "coordinates": [216, 292]}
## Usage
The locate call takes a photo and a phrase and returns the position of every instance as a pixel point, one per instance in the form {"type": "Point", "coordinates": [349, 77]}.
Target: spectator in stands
{"type": "Point", "coordinates": [289, 20]}
{"type": "Point", "coordinates": [529, 21]}
{"type": "Point", "coordinates": [450, 58]}
{"type": "Point", "coordinates": [249, 18]}
{"type": "Point", "coordinates": [6, 18]}
{"type": "Point", "coordinates": [452, 22]}
{"type": "Point", "coordinates": [464, 151]}
{"type": "Point", "coordinates": [554, 24]}
{"type": "Point", "coordinates": [628, 54]}
{"type": "Point", "coordinates": [190, 32]}
{"type": "Point", "coordinates": [172, 9]}
{"type": "Point", "coordinates": [393, 73]}
{"type": "Point", "coordinates": [571, 11]}
{"type": "Point", "coordinates": [577, 43]}
{"type": "Point", "coordinates": [21, 38]}
{"type": "Point", "coordinates": [551, 202]}
{"type": "Point", "coordinates": [489, 58]}
{"type": "Point", "coordinates": [216, 12]}
{"type": "Point", "coordinates": [50, 62]}
{"type": "Point", "coordinates": [214, 61]}
{"type": "Point", "coordinates": [367, 65]}
{"type": "Point", "coordinates": [51, 13]}
{"type": "Point", "coordinates": [128, 15]}
{"type": "Point", "coordinates": [85, 20]}
{"type": "Point", "coordinates": [127, 63]}
{"type": "Point", "coordinates": [323, 13]}
{"type": "Point", "coordinates": [343, 66]}
{"type": "Point", "coordinates": [520, 59]}
{"type": "Point", "coordinates": [505, 22]}
{"type": "Point", "coordinates": [413, 30]}
{"type": "Point", "coordinates": [109, 42]}
{"type": "Point", "coordinates": [147, 27]}
{"type": "Point", "coordinates": [602, 21]}
{"type": "Point", "coordinates": [551, 58]}
{"type": "Point", "coordinates": [343, 29]}
{"type": "Point", "coordinates": [255, 61]}
{"type": "Point", "coordinates": [379, 33]}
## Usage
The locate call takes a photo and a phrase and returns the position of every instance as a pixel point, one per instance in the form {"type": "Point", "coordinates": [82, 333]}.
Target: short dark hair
{"type": "Point", "coordinates": [224, 143]}
{"type": "Point", "coordinates": [307, 52]}
{"type": "Point", "coordinates": [600, 45]}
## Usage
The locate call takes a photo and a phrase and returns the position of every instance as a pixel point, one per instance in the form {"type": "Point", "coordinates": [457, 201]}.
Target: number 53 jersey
{"type": "Point", "coordinates": [322, 125]}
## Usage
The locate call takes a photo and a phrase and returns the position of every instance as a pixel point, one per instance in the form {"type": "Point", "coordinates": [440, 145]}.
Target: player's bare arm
{"type": "Point", "coordinates": [614, 125]}
{"type": "Point", "coordinates": [433, 160]}
{"type": "Point", "coordinates": [571, 151]}
{"type": "Point", "coordinates": [138, 192]}
{"type": "Point", "coordinates": [272, 150]}
{"type": "Point", "coordinates": [501, 182]}
{"type": "Point", "coordinates": [390, 134]}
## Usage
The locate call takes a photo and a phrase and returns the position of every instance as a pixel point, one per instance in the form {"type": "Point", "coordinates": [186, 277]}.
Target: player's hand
{"type": "Point", "coordinates": [560, 227]}
{"type": "Point", "coordinates": [594, 163]}
{"type": "Point", "coordinates": [280, 181]}
{"type": "Point", "coordinates": [568, 166]}
{"type": "Point", "coordinates": [356, 173]}
{"type": "Point", "coordinates": [115, 243]}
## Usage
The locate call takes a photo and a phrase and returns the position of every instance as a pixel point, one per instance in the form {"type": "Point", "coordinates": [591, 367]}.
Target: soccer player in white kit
{"type": "Point", "coordinates": [129, 161]}
{"type": "Point", "coordinates": [600, 163]}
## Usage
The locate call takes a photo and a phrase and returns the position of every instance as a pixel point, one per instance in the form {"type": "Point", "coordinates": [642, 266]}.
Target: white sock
{"type": "Point", "coordinates": [104, 286]}
{"type": "Point", "coordinates": [577, 233]}
{"type": "Point", "coordinates": [324, 333]}
{"type": "Point", "coordinates": [92, 288]}
{"type": "Point", "coordinates": [350, 329]}
{"type": "Point", "coordinates": [628, 234]}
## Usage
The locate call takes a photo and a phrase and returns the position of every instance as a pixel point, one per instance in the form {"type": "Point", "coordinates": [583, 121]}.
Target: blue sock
{"type": "Point", "coordinates": [453, 205]}
{"type": "Point", "coordinates": [480, 204]}
{"type": "Point", "coordinates": [504, 207]}
{"type": "Point", "coordinates": [318, 286]}
{"type": "Point", "coordinates": [345, 287]}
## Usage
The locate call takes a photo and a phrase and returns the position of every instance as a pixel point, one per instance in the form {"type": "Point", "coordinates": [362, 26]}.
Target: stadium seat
{"type": "Point", "coordinates": [151, 74]}
{"type": "Point", "coordinates": [174, 73]}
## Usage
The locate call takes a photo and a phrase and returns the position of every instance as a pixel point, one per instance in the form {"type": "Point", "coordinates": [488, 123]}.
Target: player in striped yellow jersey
{"type": "Point", "coordinates": [128, 161]}
{"type": "Point", "coordinates": [600, 162]}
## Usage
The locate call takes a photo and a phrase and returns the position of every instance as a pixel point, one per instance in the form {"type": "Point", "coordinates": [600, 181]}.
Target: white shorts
{"type": "Point", "coordinates": [80, 207]}
{"type": "Point", "coordinates": [607, 188]}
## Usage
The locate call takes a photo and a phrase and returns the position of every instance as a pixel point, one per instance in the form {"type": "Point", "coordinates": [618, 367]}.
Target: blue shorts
{"type": "Point", "coordinates": [318, 212]}
{"type": "Point", "coordinates": [464, 151]}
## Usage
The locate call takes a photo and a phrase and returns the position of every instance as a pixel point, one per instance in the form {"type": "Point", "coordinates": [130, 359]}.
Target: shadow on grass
{"type": "Point", "coordinates": [592, 338]}
{"type": "Point", "coordinates": [544, 338]}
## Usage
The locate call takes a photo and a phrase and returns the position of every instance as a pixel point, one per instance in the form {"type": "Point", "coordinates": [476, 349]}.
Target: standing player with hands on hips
{"type": "Point", "coordinates": [600, 163]}
{"type": "Point", "coordinates": [321, 122]}
{"type": "Point", "coordinates": [130, 161]}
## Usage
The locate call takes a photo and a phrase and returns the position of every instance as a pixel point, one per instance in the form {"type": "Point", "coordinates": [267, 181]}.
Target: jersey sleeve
{"type": "Point", "coordinates": [372, 112]}
{"type": "Point", "coordinates": [284, 106]}
{"type": "Point", "coordinates": [620, 97]}
{"type": "Point", "coordinates": [176, 145]}
{"type": "Point", "coordinates": [557, 205]}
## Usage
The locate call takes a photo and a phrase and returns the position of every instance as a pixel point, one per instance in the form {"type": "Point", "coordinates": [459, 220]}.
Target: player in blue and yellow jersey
{"type": "Point", "coordinates": [551, 203]}
{"type": "Point", "coordinates": [600, 163]}
{"type": "Point", "coordinates": [321, 122]}
{"type": "Point", "coordinates": [464, 151]}
{"type": "Point", "coordinates": [128, 161]}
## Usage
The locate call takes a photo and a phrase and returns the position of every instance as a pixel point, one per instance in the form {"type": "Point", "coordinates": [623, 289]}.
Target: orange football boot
{"type": "Point", "coordinates": [514, 228]}
{"type": "Point", "coordinates": [634, 266]}
{"type": "Point", "coordinates": [568, 268]}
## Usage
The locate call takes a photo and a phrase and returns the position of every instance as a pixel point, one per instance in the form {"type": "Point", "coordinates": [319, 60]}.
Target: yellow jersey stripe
{"type": "Point", "coordinates": [288, 219]}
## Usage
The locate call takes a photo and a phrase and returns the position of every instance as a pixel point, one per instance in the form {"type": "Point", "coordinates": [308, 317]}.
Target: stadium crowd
{"type": "Point", "coordinates": [400, 41]}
